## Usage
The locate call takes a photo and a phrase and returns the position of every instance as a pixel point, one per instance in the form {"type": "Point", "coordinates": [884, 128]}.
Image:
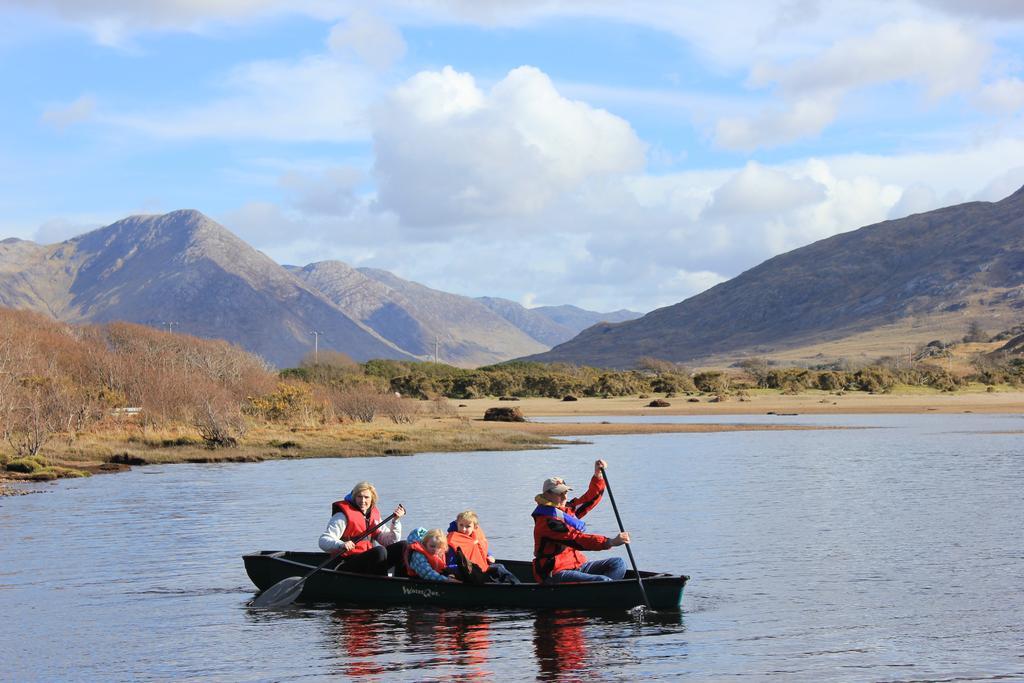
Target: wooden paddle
{"type": "Point", "coordinates": [285, 591]}
{"type": "Point", "coordinates": [639, 581]}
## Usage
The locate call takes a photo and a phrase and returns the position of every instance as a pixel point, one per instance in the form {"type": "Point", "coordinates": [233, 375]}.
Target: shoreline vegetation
{"type": "Point", "coordinates": [82, 400]}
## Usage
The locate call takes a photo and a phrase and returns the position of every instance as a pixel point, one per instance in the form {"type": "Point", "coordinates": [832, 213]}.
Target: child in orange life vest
{"type": "Point", "coordinates": [425, 556]}
{"type": "Point", "coordinates": [466, 535]}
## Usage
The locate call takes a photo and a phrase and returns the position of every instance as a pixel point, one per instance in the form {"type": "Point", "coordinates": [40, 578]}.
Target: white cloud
{"type": "Point", "coordinates": [114, 22]}
{"type": "Point", "coordinates": [803, 118]}
{"type": "Point", "coordinates": [62, 116]}
{"type": "Point", "coordinates": [995, 9]}
{"type": "Point", "coordinates": [264, 224]}
{"type": "Point", "coordinates": [917, 198]}
{"type": "Point", "coordinates": [1005, 95]}
{"type": "Point", "coordinates": [291, 236]}
{"type": "Point", "coordinates": [376, 42]}
{"type": "Point", "coordinates": [60, 229]}
{"type": "Point", "coordinates": [449, 152]}
{"type": "Point", "coordinates": [1003, 185]}
{"type": "Point", "coordinates": [760, 190]}
{"type": "Point", "coordinates": [814, 87]}
{"type": "Point", "coordinates": [903, 51]}
{"type": "Point", "coordinates": [331, 192]}
{"type": "Point", "coordinates": [314, 99]}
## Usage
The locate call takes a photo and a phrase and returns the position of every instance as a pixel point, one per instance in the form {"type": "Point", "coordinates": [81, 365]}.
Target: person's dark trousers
{"type": "Point", "coordinates": [498, 573]}
{"type": "Point", "coordinates": [377, 560]}
{"type": "Point", "coordinates": [372, 561]}
{"type": "Point", "coordinates": [396, 557]}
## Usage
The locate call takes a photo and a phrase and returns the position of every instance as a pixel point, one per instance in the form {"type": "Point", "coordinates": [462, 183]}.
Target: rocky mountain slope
{"type": "Point", "coordinates": [180, 268]}
{"type": "Point", "coordinates": [185, 271]}
{"type": "Point", "coordinates": [416, 317]}
{"type": "Point", "coordinates": [884, 286]}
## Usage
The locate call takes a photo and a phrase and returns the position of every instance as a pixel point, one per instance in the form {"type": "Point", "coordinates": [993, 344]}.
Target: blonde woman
{"type": "Point", "coordinates": [352, 517]}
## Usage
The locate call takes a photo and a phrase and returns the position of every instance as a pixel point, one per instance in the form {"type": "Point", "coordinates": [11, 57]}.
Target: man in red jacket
{"type": "Point", "coordinates": [559, 534]}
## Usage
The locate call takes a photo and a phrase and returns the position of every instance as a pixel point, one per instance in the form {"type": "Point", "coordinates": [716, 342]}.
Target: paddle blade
{"type": "Point", "coordinates": [641, 613]}
{"type": "Point", "coordinates": [281, 594]}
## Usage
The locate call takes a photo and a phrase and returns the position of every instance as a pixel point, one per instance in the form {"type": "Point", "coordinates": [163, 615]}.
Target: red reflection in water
{"type": "Point", "coordinates": [371, 646]}
{"type": "Point", "coordinates": [360, 640]}
{"type": "Point", "coordinates": [460, 639]}
{"type": "Point", "coordinates": [560, 646]}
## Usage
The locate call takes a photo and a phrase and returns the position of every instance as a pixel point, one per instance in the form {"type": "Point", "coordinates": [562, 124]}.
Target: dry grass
{"type": "Point", "coordinates": [897, 340]}
{"type": "Point", "coordinates": [115, 449]}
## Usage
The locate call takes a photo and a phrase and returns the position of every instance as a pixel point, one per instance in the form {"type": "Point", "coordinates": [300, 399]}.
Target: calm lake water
{"type": "Point", "coordinates": [887, 554]}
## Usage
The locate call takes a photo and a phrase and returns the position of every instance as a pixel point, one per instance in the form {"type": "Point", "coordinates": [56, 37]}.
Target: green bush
{"type": "Point", "coordinates": [711, 382]}
{"type": "Point", "coordinates": [26, 465]}
{"type": "Point", "coordinates": [875, 379]}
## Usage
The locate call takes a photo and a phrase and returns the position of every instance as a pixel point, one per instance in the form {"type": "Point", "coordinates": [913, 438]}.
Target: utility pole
{"type": "Point", "coordinates": [170, 326]}
{"type": "Point", "coordinates": [316, 346]}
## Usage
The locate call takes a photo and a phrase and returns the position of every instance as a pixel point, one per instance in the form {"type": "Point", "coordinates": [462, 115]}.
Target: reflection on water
{"type": "Point", "coordinates": [374, 642]}
{"type": "Point", "coordinates": [560, 646]}
{"type": "Point", "coordinates": [872, 554]}
{"type": "Point", "coordinates": [435, 643]}
{"type": "Point", "coordinates": [359, 637]}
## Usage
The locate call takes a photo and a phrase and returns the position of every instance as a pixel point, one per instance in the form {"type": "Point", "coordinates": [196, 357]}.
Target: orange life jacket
{"type": "Point", "coordinates": [356, 524]}
{"type": "Point", "coordinates": [436, 562]}
{"type": "Point", "coordinates": [474, 546]}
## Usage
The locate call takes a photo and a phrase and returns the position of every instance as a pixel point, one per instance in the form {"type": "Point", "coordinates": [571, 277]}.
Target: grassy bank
{"type": "Point", "coordinates": [116, 450]}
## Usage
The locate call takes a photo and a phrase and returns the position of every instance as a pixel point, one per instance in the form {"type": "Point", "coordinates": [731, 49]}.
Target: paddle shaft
{"type": "Point", "coordinates": [629, 551]}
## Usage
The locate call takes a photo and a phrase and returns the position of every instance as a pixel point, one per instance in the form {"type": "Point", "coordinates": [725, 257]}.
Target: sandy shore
{"type": "Point", "coordinates": [597, 428]}
{"type": "Point", "coordinates": [761, 403]}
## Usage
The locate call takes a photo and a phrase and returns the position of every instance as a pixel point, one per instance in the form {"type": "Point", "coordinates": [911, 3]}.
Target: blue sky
{"type": "Point", "coordinates": [594, 152]}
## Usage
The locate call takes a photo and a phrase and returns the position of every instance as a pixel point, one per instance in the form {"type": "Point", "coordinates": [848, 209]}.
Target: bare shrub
{"type": "Point", "coordinates": [397, 409]}
{"type": "Point", "coordinates": [442, 407]}
{"type": "Point", "coordinates": [359, 404]}
{"type": "Point", "coordinates": [219, 422]}
{"type": "Point", "coordinates": [56, 377]}
{"type": "Point", "coordinates": [39, 408]}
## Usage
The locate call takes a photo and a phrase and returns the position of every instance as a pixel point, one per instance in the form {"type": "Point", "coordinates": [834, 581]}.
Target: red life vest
{"type": "Point", "coordinates": [473, 547]}
{"type": "Point", "coordinates": [356, 524]}
{"type": "Point", "coordinates": [436, 563]}
{"type": "Point", "coordinates": [559, 536]}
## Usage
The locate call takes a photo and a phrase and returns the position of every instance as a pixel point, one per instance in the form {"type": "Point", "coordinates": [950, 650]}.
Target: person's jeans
{"type": "Point", "coordinates": [610, 569]}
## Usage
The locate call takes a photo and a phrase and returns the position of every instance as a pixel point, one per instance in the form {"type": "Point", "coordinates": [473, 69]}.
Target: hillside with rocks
{"type": "Point", "coordinates": [872, 291]}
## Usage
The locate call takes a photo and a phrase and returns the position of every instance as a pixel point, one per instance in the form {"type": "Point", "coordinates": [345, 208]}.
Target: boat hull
{"type": "Point", "coordinates": [265, 568]}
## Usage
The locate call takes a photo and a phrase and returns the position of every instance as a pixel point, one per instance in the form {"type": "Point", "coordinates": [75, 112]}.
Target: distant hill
{"type": "Point", "coordinates": [875, 290]}
{"type": "Point", "coordinates": [580, 319]}
{"type": "Point", "coordinates": [414, 317]}
{"type": "Point", "coordinates": [552, 325]}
